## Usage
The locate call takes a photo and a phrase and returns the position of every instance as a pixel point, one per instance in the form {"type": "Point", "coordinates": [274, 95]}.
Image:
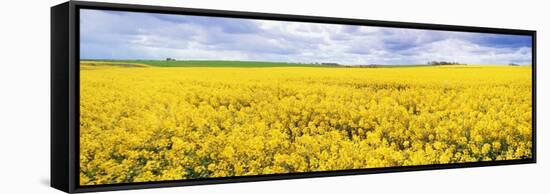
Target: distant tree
{"type": "Point", "coordinates": [330, 64]}
{"type": "Point", "coordinates": [513, 64]}
{"type": "Point", "coordinates": [370, 65]}
{"type": "Point", "coordinates": [443, 63]}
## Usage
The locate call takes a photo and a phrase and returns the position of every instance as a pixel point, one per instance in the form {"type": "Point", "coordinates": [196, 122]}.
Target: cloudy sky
{"type": "Point", "coordinates": [131, 35]}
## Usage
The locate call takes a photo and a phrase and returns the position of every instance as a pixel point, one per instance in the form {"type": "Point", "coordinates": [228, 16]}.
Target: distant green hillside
{"type": "Point", "coordinates": [207, 63]}
{"type": "Point", "coordinates": [159, 63]}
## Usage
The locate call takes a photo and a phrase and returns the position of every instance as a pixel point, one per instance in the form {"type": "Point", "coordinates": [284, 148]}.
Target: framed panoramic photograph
{"type": "Point", "coordinates": [148, 96]}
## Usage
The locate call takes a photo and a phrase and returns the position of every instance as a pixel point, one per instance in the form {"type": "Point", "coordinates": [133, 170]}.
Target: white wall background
{"type": "Point", "coordinates": [25, 96]}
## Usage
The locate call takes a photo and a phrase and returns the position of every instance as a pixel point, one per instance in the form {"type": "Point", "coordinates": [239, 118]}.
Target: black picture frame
{"type": "Point", "coordinates": [65, 94]}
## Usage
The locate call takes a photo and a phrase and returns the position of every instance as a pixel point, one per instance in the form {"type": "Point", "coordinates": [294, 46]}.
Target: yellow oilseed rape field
{"type": "Point", "coordinates": [157, 124]}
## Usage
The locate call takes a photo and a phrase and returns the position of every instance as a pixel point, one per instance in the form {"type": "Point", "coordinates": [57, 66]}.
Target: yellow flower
{"type": "Point", "coordinates": [155, 124]}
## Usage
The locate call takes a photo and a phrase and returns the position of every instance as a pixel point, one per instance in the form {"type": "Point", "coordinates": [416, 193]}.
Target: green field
{"type": "Point", "coordinates": [204, 63]}
{"type": "Point", "coordinates": [213, 63]}
{"type": "Point", "coordinates": [93, 64]}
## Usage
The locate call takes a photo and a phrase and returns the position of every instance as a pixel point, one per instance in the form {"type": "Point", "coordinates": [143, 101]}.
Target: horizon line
{"type": "Point", "coordinates": [309, 63]}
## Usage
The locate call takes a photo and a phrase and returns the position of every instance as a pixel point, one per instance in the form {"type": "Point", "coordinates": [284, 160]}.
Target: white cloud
{"type": "Point", "coordinates": [467, 52]}
{"type": "Point", "coordinates": [126, 35]}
